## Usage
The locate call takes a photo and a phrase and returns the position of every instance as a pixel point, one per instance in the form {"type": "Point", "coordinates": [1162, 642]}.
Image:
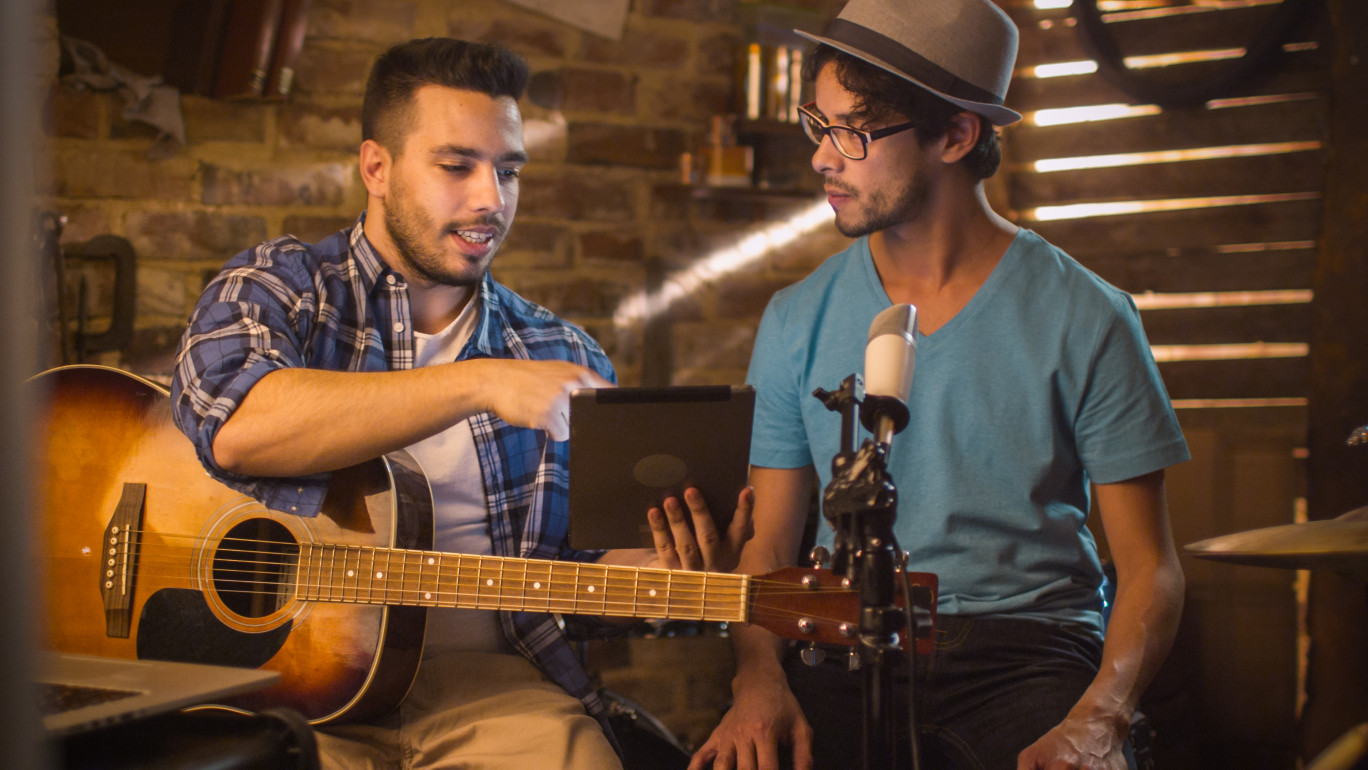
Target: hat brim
{"type": "Point", "coordinates": [995, 113]}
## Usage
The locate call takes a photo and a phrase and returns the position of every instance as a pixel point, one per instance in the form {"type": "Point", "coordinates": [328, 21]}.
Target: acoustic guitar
{"type": "Point", "coordinates": [145, 556]}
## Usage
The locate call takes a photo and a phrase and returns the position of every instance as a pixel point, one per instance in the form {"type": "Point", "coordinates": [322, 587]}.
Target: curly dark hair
{"type": "Point", "coordinates": [487, 68]}
{"type": "Point", "coordinates": [881, 95]}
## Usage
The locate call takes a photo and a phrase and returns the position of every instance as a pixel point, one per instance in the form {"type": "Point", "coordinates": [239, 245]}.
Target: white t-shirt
{"type": "Point", "coordinates": [460, 521]}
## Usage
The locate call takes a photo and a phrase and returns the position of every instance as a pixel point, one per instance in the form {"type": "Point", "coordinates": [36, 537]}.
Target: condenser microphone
{"type": "Point", "coordinates": [890, 358]}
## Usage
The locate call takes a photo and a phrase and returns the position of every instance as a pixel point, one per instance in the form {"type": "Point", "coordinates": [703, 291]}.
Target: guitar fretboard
{"type": "Point", "coordinates": [364, 575]}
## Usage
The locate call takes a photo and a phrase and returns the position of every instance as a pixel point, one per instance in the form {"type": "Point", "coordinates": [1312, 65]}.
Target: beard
{"type": "Point", "coordinates": [882, 209]}
{"type": "Point", "coordinates": [410, 227]}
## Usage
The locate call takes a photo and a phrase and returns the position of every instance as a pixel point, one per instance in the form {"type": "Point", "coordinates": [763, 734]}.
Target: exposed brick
{"type": "Point", "coordinates": [83, 223]}
{"type": "Point", "coordinates": [328, 184]}
{"type": "Point", "coordinates": [717, 11]}
{"type": "Point", "coordinates": [334, 69]}
{"type": "Point", "coordinates": [217, 120]}
{"type": "Point", "coordinates": [315, 229]}
{"type": "Point", "coordinates": [685, 99]}
{"type": "Point", "coordinates": [683, 376]}
{"type": "Point", "coordinates": [574, 295]}
{"type": "Point", "coordinates": [615, 145]}
{"type": "Point", "coordinates": [597, 91]}
{"type": "Point", "coordinates": [713, 345]}
{"type": "Point", "coordinates": [545, 136]}
{"type": "Point", "coordinates": [719, 55]}
{"type": "Point", "coordinates": [638, 48]}
{"type": "Point", "coordinates": [578, 197]}
{"type": "Point", "coordinates": [745, 298]}
{"type": "Point", "coordinates": [73, 114]}
{"type": "Point", "coordinates": [623, 346]}
{"type": "Point", "coordinates": [374, 21]}
{"type": "Point", "coordinates": [683, 245]}
{"type": "Point", "coordinates": [164, 292]}
{"type": "Point", "coordinates": [192, 235]}
{"type": "Point", "coordinates": [337, 128]}
{"type": "Point", "coordinates": [611, 246]}
{"type": "Point", "coordinates": [81, 173]}
{"type": "Point", "coordinates": [527, 35]}
{"type": "Point", "coordinates": [128, 128]}
{"type": "Point", "coordinates": [537, 245]}
{"type": "Point", "coordinates": [809, 251]}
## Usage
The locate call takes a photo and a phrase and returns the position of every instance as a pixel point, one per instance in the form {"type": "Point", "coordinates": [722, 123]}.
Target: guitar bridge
{"type": "Point", "coordinates": [119, 560]}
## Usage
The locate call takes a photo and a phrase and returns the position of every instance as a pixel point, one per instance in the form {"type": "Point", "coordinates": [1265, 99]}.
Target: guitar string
{"type": "Point", "coordinates": [290, 554]}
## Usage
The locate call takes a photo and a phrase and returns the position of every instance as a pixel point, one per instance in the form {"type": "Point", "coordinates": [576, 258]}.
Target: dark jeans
{"type": "Point", "coordinates": [992, 688]}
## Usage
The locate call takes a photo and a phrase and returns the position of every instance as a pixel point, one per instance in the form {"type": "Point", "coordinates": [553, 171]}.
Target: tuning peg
{"type": "Point", "coordinates": [902, 560]}
{"type": "Point", "coordinates": [819, 555]}
{"type": "Point", "coordinates": [811, 655]}
{"type": "Point", "coordinates": [853, 661]}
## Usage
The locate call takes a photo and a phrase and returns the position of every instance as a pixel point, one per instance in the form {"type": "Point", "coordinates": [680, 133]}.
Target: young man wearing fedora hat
{"type": "Point", "coordinates": [1034, 383]}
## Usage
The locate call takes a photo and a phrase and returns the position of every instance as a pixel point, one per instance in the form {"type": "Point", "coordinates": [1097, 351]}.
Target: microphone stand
{"type": "Point", "coordinates": [861, 504]}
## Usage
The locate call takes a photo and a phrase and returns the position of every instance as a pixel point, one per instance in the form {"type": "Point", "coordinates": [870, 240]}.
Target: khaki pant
{"type": "Point", "coordinates": [474, 710]}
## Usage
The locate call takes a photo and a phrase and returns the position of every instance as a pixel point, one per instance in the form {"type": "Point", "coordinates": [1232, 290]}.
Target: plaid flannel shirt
{"type": "Point", "coordinates": [336, 305]}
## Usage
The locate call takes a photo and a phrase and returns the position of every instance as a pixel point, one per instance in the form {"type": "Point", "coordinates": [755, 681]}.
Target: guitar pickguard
{"type": "Point", "coordinates": [177, 624]}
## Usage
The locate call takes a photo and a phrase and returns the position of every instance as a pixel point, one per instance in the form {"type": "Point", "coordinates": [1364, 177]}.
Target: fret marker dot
{"type": "Point", "coordinates": [427, 595]}
{"type": "Point", "coordinates": [351, 573]}
{"type": "Point", "coordinates": [379, 575]}
{"type": "Point", "coordinates": [652, 592]}
{"type": "Point", "coordinates": [431, 560]}
{"type": "Point", "coordinates": [537, 585]}
{"type": "Point", "coordinates": [489, 582]}
{"type": "Point", "coordinates": [591, 589]}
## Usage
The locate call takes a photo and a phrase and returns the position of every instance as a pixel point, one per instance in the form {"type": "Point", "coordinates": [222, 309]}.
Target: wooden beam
{"type": "Point", "coordinates": [1337, 475]}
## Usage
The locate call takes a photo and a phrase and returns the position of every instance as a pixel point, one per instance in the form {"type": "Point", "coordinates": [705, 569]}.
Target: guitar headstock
{"type": "Point", "coordinates": [812, 605]}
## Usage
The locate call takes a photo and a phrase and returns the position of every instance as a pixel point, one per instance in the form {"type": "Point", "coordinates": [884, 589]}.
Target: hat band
{"type": "Point", "coordinates": [910, 62]}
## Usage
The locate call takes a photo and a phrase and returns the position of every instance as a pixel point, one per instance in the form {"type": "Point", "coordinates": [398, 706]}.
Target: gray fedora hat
{"type": "Point", "coordinates": [961, 50]}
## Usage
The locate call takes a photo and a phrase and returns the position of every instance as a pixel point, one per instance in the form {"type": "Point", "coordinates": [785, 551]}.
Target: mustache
{"type": "Point", "coordinates": [832, 183]}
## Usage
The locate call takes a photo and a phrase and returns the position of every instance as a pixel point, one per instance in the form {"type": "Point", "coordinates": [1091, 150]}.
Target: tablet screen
{"type": "Point", "coordinates": [630, 448]}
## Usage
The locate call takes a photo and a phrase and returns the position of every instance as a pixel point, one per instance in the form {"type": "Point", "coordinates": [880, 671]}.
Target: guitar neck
{"type": "Point", "coordinates": [363, 575]}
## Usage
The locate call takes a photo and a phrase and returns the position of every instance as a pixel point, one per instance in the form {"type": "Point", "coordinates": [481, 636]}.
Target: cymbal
{"type": "Point", "coordinates": [1339, 543]}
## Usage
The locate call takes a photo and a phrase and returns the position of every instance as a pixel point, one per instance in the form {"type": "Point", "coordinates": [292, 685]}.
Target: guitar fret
{"type": "Point", "coordinates": [367, 575]}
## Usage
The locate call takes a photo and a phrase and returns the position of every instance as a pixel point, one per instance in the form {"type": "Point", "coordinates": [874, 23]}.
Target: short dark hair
{"type": "Point", "coordinates": [879, 95]}
{"type": "Point", "coordinates": [487, 68]}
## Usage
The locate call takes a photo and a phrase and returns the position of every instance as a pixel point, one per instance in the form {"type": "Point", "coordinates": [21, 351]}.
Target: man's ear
{"type": "Point", "coordinates": [375, 167]}
{"type": "Point", "coordinates": [963, 133]}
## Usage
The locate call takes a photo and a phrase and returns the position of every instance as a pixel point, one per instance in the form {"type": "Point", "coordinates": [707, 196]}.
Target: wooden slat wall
{"type": "Point", "coordinates": [1185, 250]}
{"type": "Point", "coordinates": [1239, 639]}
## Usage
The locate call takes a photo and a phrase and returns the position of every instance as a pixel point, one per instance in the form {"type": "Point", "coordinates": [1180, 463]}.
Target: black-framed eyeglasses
{"type": "Point", "coordinates": [850, 142]}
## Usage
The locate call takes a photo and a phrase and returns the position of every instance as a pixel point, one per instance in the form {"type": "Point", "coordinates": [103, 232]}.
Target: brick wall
{"type": "Point", "coordinates": [601, 219]}
{"type": "Point", "coordinates": [601, 215]}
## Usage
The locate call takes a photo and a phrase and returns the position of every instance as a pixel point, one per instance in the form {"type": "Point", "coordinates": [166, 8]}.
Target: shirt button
{"type": "Point", "coordinates": [391, 280]}
{"type": "Point", "coordinates": [398, 326]}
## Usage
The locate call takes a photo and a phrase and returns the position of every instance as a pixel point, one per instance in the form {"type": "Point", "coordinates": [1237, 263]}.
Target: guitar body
{"type": "Point", "coordinates": [111, 462]}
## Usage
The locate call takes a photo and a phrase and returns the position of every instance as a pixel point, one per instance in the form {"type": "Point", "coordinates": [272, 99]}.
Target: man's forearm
{"type": "Point", "coordinates": [300, 421]}
{"type": "Point", "coordinates": [1140, 632]}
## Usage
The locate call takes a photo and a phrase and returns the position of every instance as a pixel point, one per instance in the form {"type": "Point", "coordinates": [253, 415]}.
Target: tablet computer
{"type": "Point", "coordinates": [630, 448]}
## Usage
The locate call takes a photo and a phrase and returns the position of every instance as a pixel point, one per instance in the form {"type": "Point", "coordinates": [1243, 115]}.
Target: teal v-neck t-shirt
{"type": "Point", "coordinates": [1042, 383]}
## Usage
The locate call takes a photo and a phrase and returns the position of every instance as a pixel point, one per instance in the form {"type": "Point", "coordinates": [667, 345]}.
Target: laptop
{"type": "Point", "coordinates": [79, 693]}
{"type": "Point", "coordinates": [630, 448]}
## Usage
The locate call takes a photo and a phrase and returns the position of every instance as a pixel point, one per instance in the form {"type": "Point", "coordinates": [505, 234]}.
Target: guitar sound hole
{"type": "Point", "coordinates": [255, 568]}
